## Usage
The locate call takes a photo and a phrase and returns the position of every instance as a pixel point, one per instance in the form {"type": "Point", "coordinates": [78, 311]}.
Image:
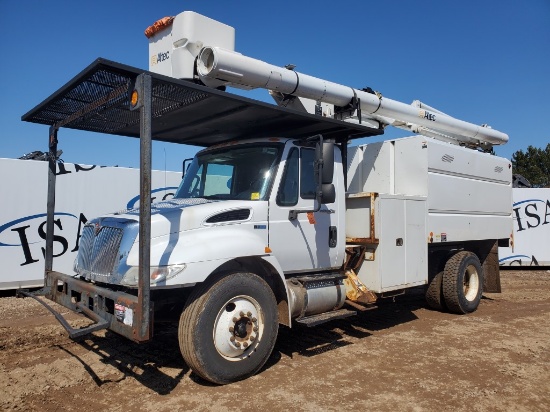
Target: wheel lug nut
{"type": "Point", "coordinates": [231, 329]}
{"type": "Point", "coordinates": [255, 329]}
{"type": "Point", "coordinates": [232, 338]}
{"type": "Point", "coordinates": [252, 338]}
{"type": "Point", "coordinates": [235, 319]}
{"type": "Point", "coordinates": [249, 314]}
{"type": "Point", "coordinates": [245, 345]}
{"type": "Point", "coordinates": [237, 344]}
{"type": "Point", "coordinates": [254, 320]}
{"type": "Point", "coordinates": [242, 313]}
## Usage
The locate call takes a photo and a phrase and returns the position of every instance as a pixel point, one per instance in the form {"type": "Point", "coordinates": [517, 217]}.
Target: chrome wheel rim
{"type": "Point", "coordinates": [238, 328]}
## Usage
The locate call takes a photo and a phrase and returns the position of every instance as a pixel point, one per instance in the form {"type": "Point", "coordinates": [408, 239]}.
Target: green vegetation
{"type": "Point", "coordinates": [534, 165]}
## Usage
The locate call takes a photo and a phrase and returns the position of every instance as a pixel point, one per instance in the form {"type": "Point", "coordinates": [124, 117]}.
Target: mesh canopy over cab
{"type": "Point", "coordinates": [97, 100]}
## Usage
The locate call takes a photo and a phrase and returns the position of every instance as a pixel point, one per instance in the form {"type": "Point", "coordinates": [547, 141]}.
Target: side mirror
{"type": "Point", "coordinates": [324, 171]}
{"type": "Point", "coordinates": [328, 194]}
{"type": "Point", "coordinates": [185, 165]}
{"type": "Point", "coordinates": [327, 156]}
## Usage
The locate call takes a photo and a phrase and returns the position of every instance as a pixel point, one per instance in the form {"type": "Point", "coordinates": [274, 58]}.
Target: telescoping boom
{"type": "Point", "coordinates": [217, 66]}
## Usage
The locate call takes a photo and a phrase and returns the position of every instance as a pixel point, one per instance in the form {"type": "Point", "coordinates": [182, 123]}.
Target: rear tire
{"type": "Point", "coordinates": [462, 283]}
{"type": "Point", "coordinates": [434, 294]}
{"type": "Point", "coordinates": [228, 327]}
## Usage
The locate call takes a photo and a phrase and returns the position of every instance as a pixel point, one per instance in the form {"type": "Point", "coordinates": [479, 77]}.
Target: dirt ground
{"type": "Point", "coordinates": [402, 356]}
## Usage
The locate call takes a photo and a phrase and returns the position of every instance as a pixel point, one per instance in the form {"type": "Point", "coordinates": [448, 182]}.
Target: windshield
{"type": "Point", "coordinates": [240, 172]}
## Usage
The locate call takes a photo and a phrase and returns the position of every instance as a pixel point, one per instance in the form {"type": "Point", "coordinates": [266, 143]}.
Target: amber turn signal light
{"type": "Point", "coordinates": [134, 98]}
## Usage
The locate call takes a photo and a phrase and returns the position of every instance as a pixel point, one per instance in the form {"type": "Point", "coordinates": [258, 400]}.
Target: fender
{"type": "Point", "coordinates": [196, 248]}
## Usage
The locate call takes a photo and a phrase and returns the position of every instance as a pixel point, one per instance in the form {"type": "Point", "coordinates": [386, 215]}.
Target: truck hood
{"type": "Point", "coordinates": [177, 215]}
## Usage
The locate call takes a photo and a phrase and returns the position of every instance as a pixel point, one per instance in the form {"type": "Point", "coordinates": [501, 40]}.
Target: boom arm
{"type": "Point", "coordinates": [217, 66]}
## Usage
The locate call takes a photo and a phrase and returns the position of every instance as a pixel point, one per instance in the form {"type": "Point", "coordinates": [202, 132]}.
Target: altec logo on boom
{"type": "Point", "coordinates": [157, 58]}
{"type": "Point", "coordinates": [424, 114]}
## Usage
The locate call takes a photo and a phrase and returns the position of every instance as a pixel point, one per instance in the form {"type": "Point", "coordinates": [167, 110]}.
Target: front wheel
{"type": "Point", "coordinates": [228, 327]}
{"type": "Point", "coordinates": [462, 282]}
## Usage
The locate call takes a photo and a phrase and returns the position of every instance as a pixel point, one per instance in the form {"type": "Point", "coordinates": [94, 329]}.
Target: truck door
{"type": "Point", "coordinates": [311, 241]}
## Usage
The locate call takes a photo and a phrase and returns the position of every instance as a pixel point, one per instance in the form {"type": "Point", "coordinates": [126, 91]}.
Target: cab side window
{"type": "Point", "coordinates": [307, 174]}
{"type": "Point", "coordinates": [288, 190]}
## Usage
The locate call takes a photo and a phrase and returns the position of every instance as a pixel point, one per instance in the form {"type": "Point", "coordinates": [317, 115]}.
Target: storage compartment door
{"type": "Point", "coordinates": [416, 244]}
{"type": "Point", "coordinates": [392, 247]}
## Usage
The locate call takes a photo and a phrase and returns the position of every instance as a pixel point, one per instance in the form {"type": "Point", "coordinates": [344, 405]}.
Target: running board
{"type": "Point", "coordinates": [73, 333]}
{"type": "Point", "coordinates": [315, 320]}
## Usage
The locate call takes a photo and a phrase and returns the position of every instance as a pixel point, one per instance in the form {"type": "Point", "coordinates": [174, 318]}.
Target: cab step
{"type": "Point", "coordinates": [315, 320]}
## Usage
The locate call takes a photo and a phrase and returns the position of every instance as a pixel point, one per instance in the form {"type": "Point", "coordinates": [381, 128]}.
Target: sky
{"type": "Point", "coordinates": [482, 61]}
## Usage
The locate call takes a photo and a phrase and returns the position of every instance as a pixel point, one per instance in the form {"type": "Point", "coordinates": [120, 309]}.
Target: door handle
{"type": "Point", "coordinates": [332, 236]}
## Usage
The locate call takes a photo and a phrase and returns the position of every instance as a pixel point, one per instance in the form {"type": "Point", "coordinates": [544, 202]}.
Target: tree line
{"type": "Point", "coordinates": [534, 165]}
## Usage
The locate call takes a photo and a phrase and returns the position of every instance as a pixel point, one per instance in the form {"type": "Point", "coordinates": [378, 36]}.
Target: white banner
{"type": "Point", "coordinates": [531, 239]}
{"type": "Point", "coordinates": [82, 193]}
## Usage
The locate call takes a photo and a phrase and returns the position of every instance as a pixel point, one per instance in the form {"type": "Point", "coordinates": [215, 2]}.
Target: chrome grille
{"type": "Point", "coordinates": [98, 254]}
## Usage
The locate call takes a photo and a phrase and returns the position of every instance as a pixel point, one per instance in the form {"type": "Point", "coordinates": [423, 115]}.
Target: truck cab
{"type": "Point", "coordinates": [233, 202]}
{"type": "Point", "coordinates": [252, 208]}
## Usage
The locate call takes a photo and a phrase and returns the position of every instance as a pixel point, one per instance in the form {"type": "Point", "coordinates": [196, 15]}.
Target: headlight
{"type": "Point", "coordinates": [157, 274]}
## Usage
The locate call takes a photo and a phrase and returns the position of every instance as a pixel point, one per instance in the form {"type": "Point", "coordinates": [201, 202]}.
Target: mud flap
{"type": "Point", "coordinates": [491, 271]}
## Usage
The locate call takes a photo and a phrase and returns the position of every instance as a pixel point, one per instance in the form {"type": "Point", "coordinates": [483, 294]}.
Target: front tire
{"type": "Point", "coordinates": [462, 283]}
{"type": "Point", "coordinates": [228, 327]}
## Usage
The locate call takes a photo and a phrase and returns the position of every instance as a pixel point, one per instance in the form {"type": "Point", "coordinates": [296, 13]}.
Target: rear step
{"type": "Point", "coordinates": [315, 320]}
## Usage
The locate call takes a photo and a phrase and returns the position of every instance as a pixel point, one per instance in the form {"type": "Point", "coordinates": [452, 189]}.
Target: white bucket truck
{"type": "Point", "coordinates": [277, 219]}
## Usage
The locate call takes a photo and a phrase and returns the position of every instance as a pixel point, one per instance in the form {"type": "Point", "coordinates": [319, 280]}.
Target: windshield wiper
{"type": "Point", "coordinates": [218, 197]}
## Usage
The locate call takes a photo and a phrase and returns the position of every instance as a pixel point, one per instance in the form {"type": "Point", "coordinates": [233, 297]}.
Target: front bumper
{"type": "Point", "coordinates": [114, 310]}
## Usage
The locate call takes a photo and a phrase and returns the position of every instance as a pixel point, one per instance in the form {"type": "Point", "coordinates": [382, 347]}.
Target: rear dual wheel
{"type": "Point", "coordinates": [462, 283]}
{"type": "Point", "coordinates": [228, 328]}
{"type": "Point", "coordinates": [434, 294]}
